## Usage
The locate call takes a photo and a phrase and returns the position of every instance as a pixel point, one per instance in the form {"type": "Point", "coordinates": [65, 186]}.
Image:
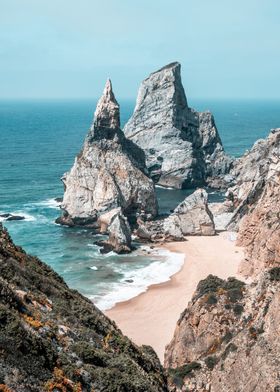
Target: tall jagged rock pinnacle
{"type": "Point", "coordinates": [107, 113]}
{"type": "Point", "coordinates": [109, 173]}
{"type": "Point", "coordinates": [183, 148]}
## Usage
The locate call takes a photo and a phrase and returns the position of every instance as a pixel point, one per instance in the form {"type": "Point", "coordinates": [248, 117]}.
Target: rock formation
{"type": "Point", "coordinates": [252, 172]}
{"type": "Point", "coordinates": [119, 235]}
{"type": "Point", "coordinates": [54, 339]}
{"type": "Point", "coordinates": [259, 229]}
{"type": "Point", "coordinates": [191, 217]}
{"type": "Point", "coordinates": [227, 339]}
{"type": "Point", "coordinates": [183, 148]}
{"type": "Point", "coordinates": [108, 173]}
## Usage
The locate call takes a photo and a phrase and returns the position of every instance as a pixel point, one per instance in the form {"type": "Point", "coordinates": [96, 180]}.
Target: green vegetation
{"type": "Point", "coordinates": [232, 287]}
{"type": "Point", "coordinates": [227, 338]}
{"type": "Point", "coordinates": [178, 374]}
{"type": "Point", "coordinates": [238, 309]}
{"type": "Point", "coordinates": [229, 348]}
{"type": "Point", "coordinates": [211, 362]}
{"type": "Point", "coordinates": [274, 274]}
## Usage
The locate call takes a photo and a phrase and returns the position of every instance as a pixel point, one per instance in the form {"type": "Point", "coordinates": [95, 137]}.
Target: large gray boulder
{"type": "Point", "coordinates": [183, 148]}
{"type": "Point", "coordinates": [191, 217]}
{"type": "Point", "coordinates": [120, 234]}
{"type": "Point", "coordinates": [108, 173]}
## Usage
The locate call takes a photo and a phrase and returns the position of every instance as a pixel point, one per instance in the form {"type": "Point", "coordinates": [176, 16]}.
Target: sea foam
{"type": "Point", "coordinates": [136, 282]}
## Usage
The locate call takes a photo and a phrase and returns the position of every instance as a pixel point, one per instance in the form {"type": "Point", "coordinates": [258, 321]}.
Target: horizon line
{"type": "Point", "coordinates": [87, 98]}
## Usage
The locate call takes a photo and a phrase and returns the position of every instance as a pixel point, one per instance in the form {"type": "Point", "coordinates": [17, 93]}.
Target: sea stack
{"type": "Point", "coordinates": [108, 173]}
{"type": "Point", "coordinates": [183, 148]}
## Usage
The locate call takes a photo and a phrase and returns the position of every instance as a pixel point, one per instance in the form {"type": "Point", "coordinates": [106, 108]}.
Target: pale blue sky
{"type": "Point", "coordinates": [67, 48]}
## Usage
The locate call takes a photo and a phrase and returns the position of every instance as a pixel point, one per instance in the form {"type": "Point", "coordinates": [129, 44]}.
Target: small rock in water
{"type": "Point", "coordinates": [129, 280]}
{"type": "Point", "coordinates": [15, 218]}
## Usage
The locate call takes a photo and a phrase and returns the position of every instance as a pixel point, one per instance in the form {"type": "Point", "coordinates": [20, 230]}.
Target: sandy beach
{"type": "Point", "coordinates": [151, 317]}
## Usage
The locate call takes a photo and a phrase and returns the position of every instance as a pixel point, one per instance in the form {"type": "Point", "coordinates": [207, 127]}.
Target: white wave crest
{"type": "Point", "coordinates": [49, 203]}
{"type": "Point", "coordinates": [136, 282]}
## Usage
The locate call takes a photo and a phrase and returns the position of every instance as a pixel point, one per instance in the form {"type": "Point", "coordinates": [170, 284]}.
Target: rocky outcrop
{"type": "Point", "coordinates": [11, 217]}
{"type": "Point", "coordinates": [252, 172]}
{"type": "Point", "coordinates": [259, 230]}
{"type": "Point", "coordinates": [191, 217]}
{"type": "Point", "coordinates": [54, 339]}
{"type": "Point", "coordinates": [119, 235]}
{"type": "Point", "coordinates": [256, 198]}
{"type": "Point", "coordinates": [227, 339]}
{"type": "Point", "coordinates": [108, 173]}
{"type": "Point", "coordinates": [183, 148]}
{"type": "Point", "coordinates": [222, 214]}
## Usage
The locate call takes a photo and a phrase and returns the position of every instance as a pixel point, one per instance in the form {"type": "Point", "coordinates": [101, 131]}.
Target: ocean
{"type": "Point", "coordinates": [39, 140]}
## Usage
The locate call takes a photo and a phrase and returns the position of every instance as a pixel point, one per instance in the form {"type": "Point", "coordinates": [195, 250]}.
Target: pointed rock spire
{"type": "Point", "coordinates": [107, 113]}
{"type": "Point", "coordinates": [164, 126]}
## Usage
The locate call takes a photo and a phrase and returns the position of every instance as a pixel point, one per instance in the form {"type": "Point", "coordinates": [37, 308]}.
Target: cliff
{"type": "Point", "coordinates": [251, 174]}
{"type": "Point", "coordinates": [54, 339]}
{"type": "Point", "coordinates": [109, 173]}
{"type": "Point", "coordinates": [256, 201]}
{"type": "Point", "coordinates": [227, 339]}
{"type": "Point", "coordinates": [182, 147]}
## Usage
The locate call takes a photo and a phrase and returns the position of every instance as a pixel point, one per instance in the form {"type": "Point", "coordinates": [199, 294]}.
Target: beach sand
{"type": "Point", "coordinates": [151, 317]}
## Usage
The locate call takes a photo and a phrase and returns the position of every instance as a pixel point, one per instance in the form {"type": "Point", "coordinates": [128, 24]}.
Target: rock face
{"type": "Point", "coordinates": [54, 339]}
{"type": "Point", "coordinates": [109, 173]}
{"type": "Point", "coordinates": [227, 339]}
{"type": "Point", "coordinates": [119, 235]}
{"type": "Point", "coordinates": [183, 148]}
{"type": "Point", "coordinates": [256, 197]}
{"type": "Point", "coordinates": [259, 229]}
{"type": "Point", "coordinates": [191, 217]}
{"type": "Point", "coordinates": [252, 172]}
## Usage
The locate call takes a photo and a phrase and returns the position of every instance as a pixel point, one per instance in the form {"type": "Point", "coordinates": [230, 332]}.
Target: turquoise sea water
{"type": "Point", "coordinates": [39, 141]}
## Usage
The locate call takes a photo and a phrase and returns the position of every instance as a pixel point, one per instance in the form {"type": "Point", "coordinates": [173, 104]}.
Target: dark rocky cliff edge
{"type": "Point", "coordinates": [54, 339]}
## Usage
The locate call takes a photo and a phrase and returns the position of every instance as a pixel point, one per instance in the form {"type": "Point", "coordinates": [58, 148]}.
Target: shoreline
{"type": "Point", "coordinates": [150, 318]}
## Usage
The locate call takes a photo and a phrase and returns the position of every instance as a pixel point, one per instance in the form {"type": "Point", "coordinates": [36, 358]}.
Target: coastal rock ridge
{"type": "Point", "coordinates": [227, 339]}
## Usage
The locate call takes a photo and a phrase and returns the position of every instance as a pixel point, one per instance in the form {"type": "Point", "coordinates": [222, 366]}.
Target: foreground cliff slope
{"type": "Point", "coordinates": [182, 147]}
{"type": "Point", "coordinates": [228, 338]}
{"type": "Point", "coordinates": [108, 174]}
{"type": "Point", "coordinates": [54, 339]}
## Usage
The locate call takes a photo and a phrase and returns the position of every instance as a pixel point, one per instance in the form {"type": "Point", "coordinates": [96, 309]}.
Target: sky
{"type": "Point", "coordinates": [60, 49]}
